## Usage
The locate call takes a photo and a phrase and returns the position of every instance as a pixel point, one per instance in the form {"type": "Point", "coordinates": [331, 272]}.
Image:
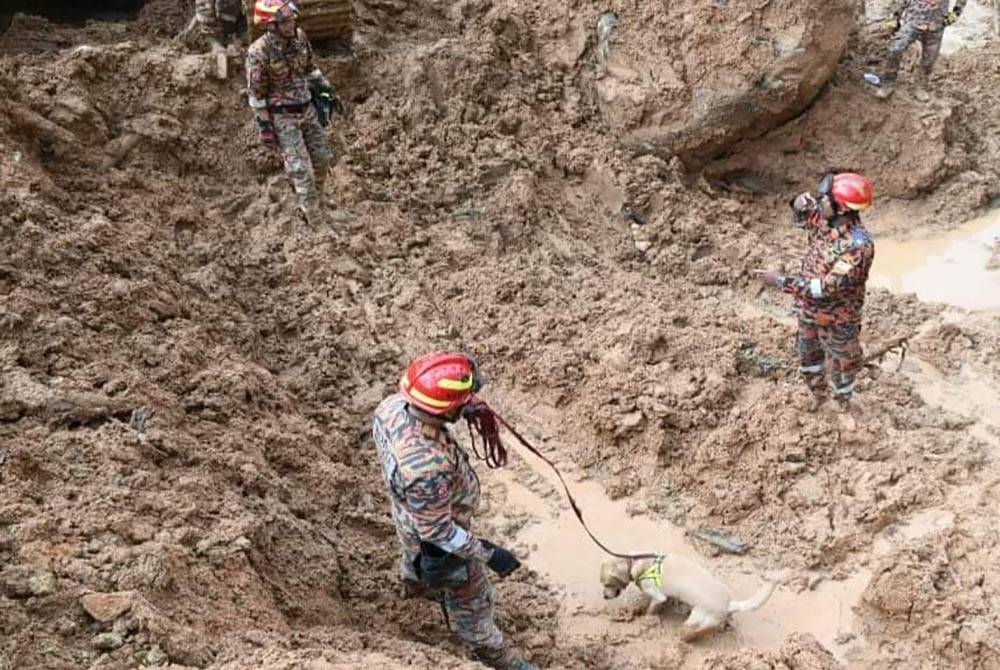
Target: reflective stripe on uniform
{"type": "Point", "coordinates": [458, 540]}
{"type": "Point", "coordinates": [816, 288]}
{"type": "Point", "coordinates": [811, 369]}
{"type": "Point", "coordinates": [844, 390]}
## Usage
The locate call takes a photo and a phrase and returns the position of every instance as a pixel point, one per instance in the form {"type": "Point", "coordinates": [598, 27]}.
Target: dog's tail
{"type": "Point", "coordinates": [754, 601]}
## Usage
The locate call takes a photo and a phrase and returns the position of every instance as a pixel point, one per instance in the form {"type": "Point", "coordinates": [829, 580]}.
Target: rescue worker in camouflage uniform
{"type": "Point", "coordinates": [830, 289]}
{"type": "Point", "coordinates": [213, 20]}
{"type": "Point", "coordinates": [217, 17]}
{"type": "Point", "coordinates": [923, 20]}
{"type": "Point", "coordinates": [281, 78]}
{"type": "Point", "coordinates": [434, 493]}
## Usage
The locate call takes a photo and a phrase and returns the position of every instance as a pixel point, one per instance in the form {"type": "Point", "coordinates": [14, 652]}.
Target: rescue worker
{"type": "Point", "coordinates": [830, 289]}
{"type": "Point", "coordinates": [923, 20]}
{"type": "Point", "coordinates": [282, 79]}
{"type": "Point", "coordinates": [434, 493]}
{"type": "Point", "coordinates": [214, 19]}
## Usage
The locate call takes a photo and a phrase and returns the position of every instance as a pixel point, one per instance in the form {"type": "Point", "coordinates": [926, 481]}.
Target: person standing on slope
{"type": "Point", "coordinates": [434, 493]}
{"type": "Point", "coordinates": [917, 20]}
{"type": "Point", "coordinates": [282, 78]}
{"type": "Point", "coordinates": [830, 288]}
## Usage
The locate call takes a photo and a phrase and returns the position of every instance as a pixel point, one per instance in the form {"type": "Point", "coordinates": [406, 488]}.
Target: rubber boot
{"type": "Point", "coordinates": [500, 659]}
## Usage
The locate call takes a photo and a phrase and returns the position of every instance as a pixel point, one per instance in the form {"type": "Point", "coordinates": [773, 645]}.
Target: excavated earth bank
{"type": "Point", "coordinates": [187, 372]}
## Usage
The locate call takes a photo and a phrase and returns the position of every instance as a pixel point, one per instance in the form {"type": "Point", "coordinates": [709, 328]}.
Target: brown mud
{"type": "Point", "coordinates": [187, 372]}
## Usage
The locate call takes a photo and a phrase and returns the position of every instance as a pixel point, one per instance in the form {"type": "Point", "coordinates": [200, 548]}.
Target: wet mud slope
{"type": "Point", "coordinates": [187, 371]}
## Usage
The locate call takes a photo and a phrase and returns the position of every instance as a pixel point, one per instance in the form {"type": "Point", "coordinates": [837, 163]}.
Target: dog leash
{"type": "Point", "coordinates": [572, 501]}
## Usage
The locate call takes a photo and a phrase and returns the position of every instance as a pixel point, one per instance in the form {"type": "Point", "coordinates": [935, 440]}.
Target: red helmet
{"type": "Point", "coordinates": [266, 12]}
{"type": "Point", "coordinates": [852, 191]}
{"type": "Point", "coordinates": [440, 383]}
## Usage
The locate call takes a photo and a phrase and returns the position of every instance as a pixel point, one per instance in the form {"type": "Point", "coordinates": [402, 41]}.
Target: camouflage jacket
{"type": "Point", "coordinates": [831, 286]}
{"type": "Point", "coordinates": [925, 14]}
{"type": "Point", "coordinates": [280, 72]}
{"type": "Point", "coordinates": [433, 487]}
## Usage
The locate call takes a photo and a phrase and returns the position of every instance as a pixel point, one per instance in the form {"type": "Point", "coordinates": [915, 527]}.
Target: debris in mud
{"type": "Point", "coordinates": [750, 361]}
{"type": "Point", "coordinates": [606, 24]}
{"type": "Point", "coordinates": [723, 541]}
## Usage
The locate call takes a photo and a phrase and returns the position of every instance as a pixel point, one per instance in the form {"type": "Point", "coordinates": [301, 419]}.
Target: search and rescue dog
{"type": "Point", "coordinates": [672, 576]}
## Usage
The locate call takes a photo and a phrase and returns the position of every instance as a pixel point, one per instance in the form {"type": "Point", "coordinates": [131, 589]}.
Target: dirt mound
{"type": "Point", "coordinates": [188, 373]}
{"type": "Point", "coordinates": [799, 652]}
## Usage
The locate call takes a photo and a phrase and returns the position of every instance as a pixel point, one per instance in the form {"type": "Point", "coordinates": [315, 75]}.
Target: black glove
{"type": "Point", "coordinates": [438, 569]}
{"type": "Point", "coordinates": [329, 97]}
{"type": "Point", "coordinates": [501, 561]}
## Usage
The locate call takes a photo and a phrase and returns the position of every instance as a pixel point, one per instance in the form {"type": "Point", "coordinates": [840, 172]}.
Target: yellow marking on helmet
{"type": "Point", "coordinates": [427, 400]}
{"type": "Point", "coordinates": [456, 384]}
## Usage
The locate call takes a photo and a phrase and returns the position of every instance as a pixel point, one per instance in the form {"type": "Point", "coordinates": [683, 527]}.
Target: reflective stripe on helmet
{"type": "Point", "coordinates": [456, 384]}
{"type": "Point", "coordinates": [424, 398]}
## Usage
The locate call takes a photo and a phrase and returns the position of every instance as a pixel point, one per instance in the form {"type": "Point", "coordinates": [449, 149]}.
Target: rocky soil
{"type": "Point", "coordinates": [187, 372]}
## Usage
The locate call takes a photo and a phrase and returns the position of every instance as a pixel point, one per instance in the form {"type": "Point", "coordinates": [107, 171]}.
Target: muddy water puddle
{"type": "Point", "coordinates": [951, 268]}
{"type": "Point", "coordinates": [561, 551]}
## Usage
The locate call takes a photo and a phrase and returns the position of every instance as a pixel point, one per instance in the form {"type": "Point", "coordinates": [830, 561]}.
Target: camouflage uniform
{"type": "Point", "coordinates": [922, 20]}
{"type": "Point", "coordinates": [434, 492]}
{"type": "Point", "coordinates": [216, 17]}
{"type": "Point", "coordinates": [280, 76]}
{"type": "Point", "coordinates": [830, 293]}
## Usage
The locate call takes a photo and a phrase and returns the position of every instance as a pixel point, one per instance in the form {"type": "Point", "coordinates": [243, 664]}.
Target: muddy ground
{"type": "Point", "coordinates": [187, 372]}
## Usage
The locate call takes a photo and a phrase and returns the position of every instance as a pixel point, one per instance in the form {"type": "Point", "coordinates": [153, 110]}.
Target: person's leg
{"type": "Point", "coordinates": [812, 361]}
{"type": "Point", "coordinates": [903, 38]}
{"type": "Point", "coordinates": [298, 164]}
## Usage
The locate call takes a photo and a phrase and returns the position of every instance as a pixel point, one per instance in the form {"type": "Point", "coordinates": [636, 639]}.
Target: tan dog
{"type": "Point", "coordinates": [680, 578]}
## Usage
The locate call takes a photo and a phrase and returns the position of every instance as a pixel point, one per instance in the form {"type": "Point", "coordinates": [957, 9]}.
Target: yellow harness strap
{"type": "Point", "coordinates": [654, 574]}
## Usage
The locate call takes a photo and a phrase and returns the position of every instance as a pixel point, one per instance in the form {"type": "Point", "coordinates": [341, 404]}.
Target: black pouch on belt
{"type": "Point", "coordinates": [438, 569]}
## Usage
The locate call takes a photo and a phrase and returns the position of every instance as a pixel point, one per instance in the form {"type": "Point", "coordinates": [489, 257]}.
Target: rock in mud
{"type": "Point", "coordinates": [106, 607]}
{"type": "Point", "coordinates": [42, 584]}
{"type": "Point", "coordinates": [108, 641]}
{"type": "Point", "coordinates": [683, 96]}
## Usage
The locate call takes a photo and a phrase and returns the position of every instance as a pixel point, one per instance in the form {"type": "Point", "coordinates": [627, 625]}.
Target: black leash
{"type": "Point", "coordinates": [444, 611]}
{"type": "Point", "coordinates": [572, 501]}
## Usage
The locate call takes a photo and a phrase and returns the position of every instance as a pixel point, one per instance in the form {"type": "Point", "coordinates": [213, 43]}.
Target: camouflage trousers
{"type": "Point", "coordinates": [470, 608]}
{"type": "Point", "coordinates": [214, 16]}
{"type": "Point", "coordinates": [838, 347]}
{"type": "Point", "coordinates": [930, 47]}
{"type": "Point", "coordinates": [306, 151]}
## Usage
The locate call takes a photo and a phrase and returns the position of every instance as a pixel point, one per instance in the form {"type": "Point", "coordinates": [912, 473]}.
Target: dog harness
{"type": "Point", "coordinates": [654, 573]}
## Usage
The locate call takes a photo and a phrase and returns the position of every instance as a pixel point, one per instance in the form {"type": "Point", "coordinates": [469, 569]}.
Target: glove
{"type": "Point", "coordinates": [771, 278]}
{"type": "Point", "coordinates": [329, 96]}
{"type": "Point", "coordinates": [951, 17]}
{"type": "Point", "coordinates": [438, 569]}
{"type": "Point", "coordinates": [501, 561]}
{"type": "Point", "coordinates": [265, 133]}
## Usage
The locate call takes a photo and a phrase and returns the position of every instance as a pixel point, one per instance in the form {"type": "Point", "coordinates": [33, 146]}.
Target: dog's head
{"type": "Point", "coordinates": [614, 577]}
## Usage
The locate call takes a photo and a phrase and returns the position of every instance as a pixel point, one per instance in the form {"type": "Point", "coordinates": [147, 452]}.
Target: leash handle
{"type": "Point", "coordinates": [572, 501]}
